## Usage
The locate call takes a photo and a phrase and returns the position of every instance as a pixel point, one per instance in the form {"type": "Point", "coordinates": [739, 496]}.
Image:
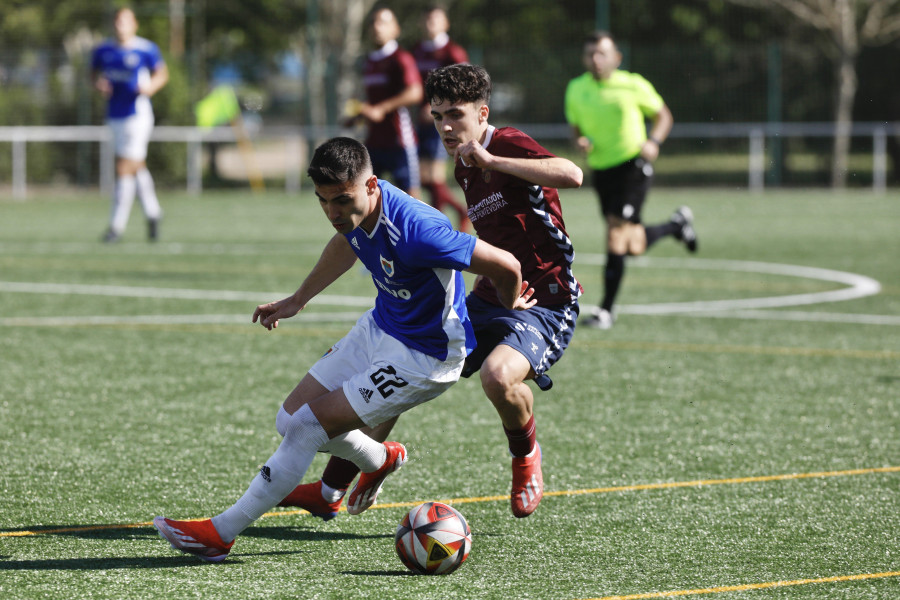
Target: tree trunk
{"type": "Point", "coordinates": [315, 66]}
{"type": "Point", "coordinates": [843, 120]}
{"type": "Point", "coordinates": [352, 23]}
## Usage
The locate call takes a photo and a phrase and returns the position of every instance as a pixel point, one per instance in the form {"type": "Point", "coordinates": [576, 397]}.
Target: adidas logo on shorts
{"type": "Point", "coordinates": [366, 394]}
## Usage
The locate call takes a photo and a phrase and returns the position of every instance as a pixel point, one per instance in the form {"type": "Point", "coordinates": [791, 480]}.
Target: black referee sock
{"type": "Point", "coordinates": [657, 232]}
{"type": "Point", "coordinates": [612, 278]}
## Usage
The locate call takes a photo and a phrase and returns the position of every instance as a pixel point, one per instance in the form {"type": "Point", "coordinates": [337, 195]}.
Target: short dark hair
{"type": "Point", "coordinates": [598, 36]}
{"type": "Point", "coordinates": [459, 83]}
{"type": "Point", "coordinates": [339, 160]}
{"type": "Point", "coordinates": [377, 9]}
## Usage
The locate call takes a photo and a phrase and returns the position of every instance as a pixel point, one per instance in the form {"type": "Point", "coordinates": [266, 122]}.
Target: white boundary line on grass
{"type": "Point", "coordinates": [858, 286]}
{"type": "Point", "coordinates": [122, 291]}
{"type": "Point", "coordinates": [318, 317]}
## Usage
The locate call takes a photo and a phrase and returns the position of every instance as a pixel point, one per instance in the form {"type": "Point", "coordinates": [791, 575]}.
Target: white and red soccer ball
{"type": "Point", "coordinates": [433, 539]}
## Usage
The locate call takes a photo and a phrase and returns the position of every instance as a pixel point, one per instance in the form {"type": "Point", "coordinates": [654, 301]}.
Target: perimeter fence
{"type": "Point", "coordinates": [750, 155]}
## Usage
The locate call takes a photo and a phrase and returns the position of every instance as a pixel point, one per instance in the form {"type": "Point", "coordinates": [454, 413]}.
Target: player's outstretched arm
{"type": "Point", "coordinates": [555, 171]}
{"type": "Point", "coordinates": [269, 314]}
{"type": "Point", "coordinates": [505, 272]}
{"type": "Point", "coordinates": [336, 259]}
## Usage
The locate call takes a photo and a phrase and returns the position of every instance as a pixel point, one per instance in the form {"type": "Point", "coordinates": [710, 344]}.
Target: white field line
{"type": "Point", "coordinates": [122, 291]}
{"type": "Point", "coordinates": [171, 248]}
{"type": "Point", "coordinates": [797, 315]}
{"type": "Point", "coordinates": [859, 286]}
{"type": "Point", "coordinates": [319, 317]}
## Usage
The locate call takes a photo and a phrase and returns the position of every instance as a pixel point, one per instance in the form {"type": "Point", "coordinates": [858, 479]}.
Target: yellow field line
{"type": "Point", "coordinates": [65, 530]}
{"type": "Point", "coordinates": [602, 490]}
{"type": "Point", "coordinates": [733, 480]}
{"type": "Point", "coordinates": [752, 586]}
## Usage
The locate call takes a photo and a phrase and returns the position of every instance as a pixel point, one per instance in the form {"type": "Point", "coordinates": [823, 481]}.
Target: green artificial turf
{"type": "Point", "coordinates": [704, 454]}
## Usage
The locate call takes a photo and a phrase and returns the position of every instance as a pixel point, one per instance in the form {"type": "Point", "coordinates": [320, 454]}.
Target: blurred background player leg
{"type": "Point", "coordinates": [146, 191]}
{"type": "Point", "coordinates": [122, 200]}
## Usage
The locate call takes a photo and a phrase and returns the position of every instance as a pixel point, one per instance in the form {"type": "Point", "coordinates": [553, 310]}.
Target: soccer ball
{"type": "Point", "coordinates": [433, 539]}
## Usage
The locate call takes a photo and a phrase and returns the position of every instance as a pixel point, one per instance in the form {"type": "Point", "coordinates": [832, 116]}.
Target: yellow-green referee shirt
{"type": "Point", "coordinates": [611, 114]}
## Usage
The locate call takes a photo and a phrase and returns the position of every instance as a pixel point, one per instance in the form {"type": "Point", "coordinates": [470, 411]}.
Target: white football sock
{"type": "Point", "coordinates": [358, 448]}
{"type": "Point", "coordinates": [122, 200]}
{"type": "Point", "coordinates": [146, 191]}
{"type": "Point", "coordinates": [281, 421]}
{"type": "Point", "coordinates": [278, 477]}
{"type": "Point", "coordinates": [330, 494]}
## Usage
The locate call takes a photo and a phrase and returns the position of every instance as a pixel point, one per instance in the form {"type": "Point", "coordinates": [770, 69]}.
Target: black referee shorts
{"type": "Point", "coordinates": [623, 188]}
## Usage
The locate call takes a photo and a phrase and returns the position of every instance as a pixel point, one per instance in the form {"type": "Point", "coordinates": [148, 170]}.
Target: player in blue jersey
{"type": "Point", "coordinates": [128, 71]}
{"type": "Point", "coordinates": [511, 185]}
{"type": "Point", "coordinates": [405, 351]}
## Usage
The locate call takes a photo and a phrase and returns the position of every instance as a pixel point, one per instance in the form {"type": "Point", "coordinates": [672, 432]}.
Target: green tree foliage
{"type": "Point", "coordinates": [712, 60]}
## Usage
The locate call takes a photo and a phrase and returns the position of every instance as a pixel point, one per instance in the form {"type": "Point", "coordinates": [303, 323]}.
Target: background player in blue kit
{"type": "Point", "coordinates": [405, 351]}
{"type": "Point", "coordinates": [128, 71]}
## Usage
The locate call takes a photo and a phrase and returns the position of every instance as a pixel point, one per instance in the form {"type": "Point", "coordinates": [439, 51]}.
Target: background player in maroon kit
{"type": "Point", "coordinates": [434, 51]}
{"type": "Point", "coordinates": [510, 183]}
{"type": "Point", "coordinates": [392, 86]}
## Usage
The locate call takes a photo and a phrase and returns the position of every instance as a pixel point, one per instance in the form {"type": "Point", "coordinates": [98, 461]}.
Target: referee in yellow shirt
{"type": "Point", "coordinates": [607, 108]}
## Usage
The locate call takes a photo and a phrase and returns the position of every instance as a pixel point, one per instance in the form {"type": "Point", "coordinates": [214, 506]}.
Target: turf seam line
{"type": "Point", "coordinates": [753, 586]}
{"type": "Point", "coordinates": [697, 483]}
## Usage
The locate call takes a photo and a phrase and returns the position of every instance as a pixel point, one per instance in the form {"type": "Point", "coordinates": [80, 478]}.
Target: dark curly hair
{"type": "Point", "coordinates": [459, 83]}
{"type": "Point", "coordinates": [339, 160]}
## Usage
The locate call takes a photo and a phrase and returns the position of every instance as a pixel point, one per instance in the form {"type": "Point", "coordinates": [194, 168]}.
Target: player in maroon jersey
{"type": "Point", "coordinates": [510, 183]}
{"type": "Point", "coordinates": [434, 51]}
{"type": "Point", "coordinates": [393, 88]}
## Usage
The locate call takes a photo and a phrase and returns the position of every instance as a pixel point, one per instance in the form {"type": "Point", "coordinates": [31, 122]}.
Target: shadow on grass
{"type": "Point", "coordinates": [103, 563]}
{"type": "Point", "coordinates": [381, 573]}
{"type": "Point", "coordinates": [297, 533]}
{"type": "Point", "coordinates": [131, 532]}
{"type": "Point", "coordinates": [304, 534]}
{"type": "Point", "coordinates": [127, 562]}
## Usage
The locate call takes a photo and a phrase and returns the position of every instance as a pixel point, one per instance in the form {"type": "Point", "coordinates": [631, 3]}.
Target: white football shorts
{"type": "Point", "coordinates": [131, 135]}
{"type": "Point", "coordinates": [382, 377]}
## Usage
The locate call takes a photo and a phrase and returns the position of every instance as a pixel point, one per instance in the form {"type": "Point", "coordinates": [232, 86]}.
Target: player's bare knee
{"type": "Point", "coordinates": [618, 240]}
{"type": "Point", "coordinates": [637, 246]}
{"type": "Point", "coordinates": [497, 381]}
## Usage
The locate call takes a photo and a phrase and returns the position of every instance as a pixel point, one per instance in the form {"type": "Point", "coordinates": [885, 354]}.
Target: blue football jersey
{"type": "Point", "coordinates": [124, 67]}
{"type": "Point", "coordinates": [415, 257]}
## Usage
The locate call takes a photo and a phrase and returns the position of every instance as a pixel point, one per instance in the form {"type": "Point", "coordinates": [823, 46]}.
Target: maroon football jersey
{"type": "Point", "coordinates": [383, 78]}
{"type": "Point", "coordinates": [522, 218]}
{"type": "Point", "coordinates": [430, 57]}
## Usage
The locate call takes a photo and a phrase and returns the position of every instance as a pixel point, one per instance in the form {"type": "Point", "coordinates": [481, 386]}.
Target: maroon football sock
{"type": "Point", "coordinates": [339, 473]}
{"type": "Point", "coordinates": [521, 441]}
